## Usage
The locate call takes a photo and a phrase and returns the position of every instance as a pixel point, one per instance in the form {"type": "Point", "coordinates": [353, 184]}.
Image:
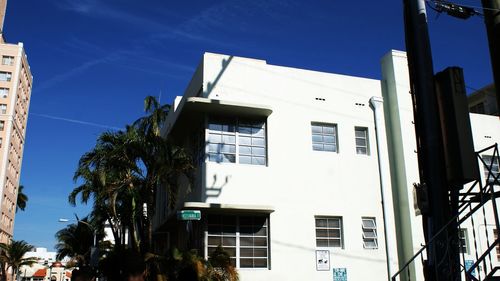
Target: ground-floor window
{"type": "Point", "coordinates": [245, 238]}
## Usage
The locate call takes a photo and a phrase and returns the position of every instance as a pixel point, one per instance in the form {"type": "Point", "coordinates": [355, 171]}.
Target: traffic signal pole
{"type": "Point", "coordinates": [432, 171]}
{"type": "Point", "coordinates": [491, 11]}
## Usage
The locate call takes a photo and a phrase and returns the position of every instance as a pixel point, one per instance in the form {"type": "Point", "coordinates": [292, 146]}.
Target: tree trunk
{"type": "Point", "coordinates": [4, 272]}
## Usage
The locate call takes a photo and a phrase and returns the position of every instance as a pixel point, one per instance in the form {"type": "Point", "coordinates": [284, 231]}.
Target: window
{"type": "Point", "coordinates": [495, 233]}
{"type": "Point", "coordinates": [3, 108]}
{"type": "Point", "coordinates": [2, 125]}
{"type": "Point", "coordinates": [5, 76]}
{"type": "Point", "coordinates": [232, 141]}
{"type": "Point", "coordinates": [1, 141]}
{"type": "Point", "coordinates": [4, 92]}
{"type": "Point", "coordinates": [494, 168]}
{"type": "Point", "coordinates": [361, 135]}
{"type": "Point", "coordinates": [370, 238]}
{"type": "Point", "coordinates": [462, 238]}
{"type": "Point", "coordinates": [324, 137]}
{"type": "Point", "coordinates": [329, 232]}
{"type": "Point", "coordinates": [244, 238]}
{"type": "Point", "coordinates": [7, 60]}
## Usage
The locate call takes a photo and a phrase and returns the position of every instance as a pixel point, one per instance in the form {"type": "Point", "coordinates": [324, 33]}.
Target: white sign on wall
{"type": "Point", "coordinates": [323, 260]}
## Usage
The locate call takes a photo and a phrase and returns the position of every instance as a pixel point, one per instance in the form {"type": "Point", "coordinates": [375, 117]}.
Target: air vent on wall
{"type": "Point", "coordinates": [320, 99]}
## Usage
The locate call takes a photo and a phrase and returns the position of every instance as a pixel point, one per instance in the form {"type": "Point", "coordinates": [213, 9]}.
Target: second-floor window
{"type": "Point", "coordinates": [492, 162]}
{"type": "Point", "coordinates": [361, 135]}
{"type": "Point", "coordinates": [329, 232]}
{"type": "Point", "coordinates": [237, 141]}
{"type": "Point", "coordinates": [324, 136]}
{"type": "Point", "coordinates": [5, 76]}
{"type": "Point", "coordinates": [2, 125]}
{"type": "Point", "coordinates": [3, 108]}
{"type": "Point", "coordinates": [370, 237]}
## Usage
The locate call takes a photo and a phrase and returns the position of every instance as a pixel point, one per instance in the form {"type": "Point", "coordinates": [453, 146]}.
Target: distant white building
{"type": "Point", "coordinates": [300, 173]}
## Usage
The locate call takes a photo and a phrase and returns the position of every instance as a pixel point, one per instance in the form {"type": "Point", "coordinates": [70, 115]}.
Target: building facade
{"type": "Point", "coordinates": [15, 95]}
{"type": "Point", "coordinates": [301, 175]}
{"type": "Point", "coordinates": [484, 101]}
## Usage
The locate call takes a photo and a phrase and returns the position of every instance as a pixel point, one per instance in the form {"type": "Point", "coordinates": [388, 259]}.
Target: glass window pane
{"type": "Point", "coordinates": [360, 133]}
{"type": "Point", "coordinates": [361, 150]}
{"type": "Point", "coordinates": [328, 130]}
{"type": "Point", "coordinates": [215, 127]}
{"type": "Point", "coordinates": [316, 129]}
{"type": "Point", "coordinates": [245, 130]}
{"type": "Point", "coordinates": [360, 142]}
{"type": "Point", "coordinates": [245, 150]}
{"type": "Point", "coordinates": [258, 141]}
{"type": "Point", "coordinates": [368, 223]}
{"type": "Point", "coordinates": [260, 252]}
{"type": "Point", "coordinates": [229, 241]}
{"type": "Point", "coordinates": [228, 139]}
{"type": "Point", "coordinates": [259, 151]}
{"type": "Point", "coordinates": [230, 158]}
{"type": "Point", "coordinates": [260, 263]}
{"type": "Point", "coordinates": [317, 146]}
{"type": "Point", "coordinates": [333, 222]}
{"type": "Point", "coordinates": [245, 159]}
{"type": "Point", "coordinates": [246, 262]}
{"type": "Point", "coordinates": [246, 241]}
{"type": "Point", "coordinates": [231, 251]}
{"type": "Point", "coordinates": [317, 138]}
{"type": "Point", "coordinates": [328, 147]}
{"type": "Point", "coordinates": [260, 241]}
{"type": "Point", "coordinates": [260, 132]}
{"type": "Point", "coordinates": [329, 139]}
{"type": "Point", "coordinates": [259, 160]}
{"type": "Point", "coordinates": [321, 233]}
{"type": "Point", "coordinates": [246, 252]}
{"type": "Point", "coordinates": [321, 223]}
{"type": "Point", "coordinates": [334, 233]}
{"type": "Point", "coordinates": [214, 240]}
{"type": "Point", "coordinates": [214, 138]}
{"type": "Point", "coordinates": [245, 140]}
{"type": "Point", "coordinates": [334, 243]}
{"type": "Point", "coordinates": [321, 242]}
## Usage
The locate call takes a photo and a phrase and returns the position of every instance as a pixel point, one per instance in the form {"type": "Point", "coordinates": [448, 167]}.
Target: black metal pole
{"type": "Point", "coordinates": [429, 143]}
{"type": "Point", "coordinates": [491, 10]}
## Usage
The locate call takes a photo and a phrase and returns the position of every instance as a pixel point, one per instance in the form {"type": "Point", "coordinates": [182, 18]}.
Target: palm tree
{"type": "Point", "coordinates": [22, 199]}
{"type": "Point", "coordinates": [12, 255]}
{"type": "Point", "coordinates": [75, 241]}
{"type": "Point", "coordinates": [165, 163]}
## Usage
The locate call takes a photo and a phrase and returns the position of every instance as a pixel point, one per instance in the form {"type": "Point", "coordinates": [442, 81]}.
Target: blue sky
{"type": "Point", "coordinates": [95, 60]}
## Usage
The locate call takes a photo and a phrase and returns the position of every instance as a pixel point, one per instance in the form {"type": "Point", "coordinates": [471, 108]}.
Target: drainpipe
{"type": "Point", "coordinates": [385, 186]}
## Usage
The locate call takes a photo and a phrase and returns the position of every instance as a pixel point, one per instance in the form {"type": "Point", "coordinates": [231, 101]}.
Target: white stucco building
{"type": "Point", "coordinates": [295, 177]}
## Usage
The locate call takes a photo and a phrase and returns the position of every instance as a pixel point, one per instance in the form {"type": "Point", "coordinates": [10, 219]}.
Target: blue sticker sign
{"type": "Point", "coordinates": [339, 274]}
{"type": "Point", "coordinates": [468, 265]}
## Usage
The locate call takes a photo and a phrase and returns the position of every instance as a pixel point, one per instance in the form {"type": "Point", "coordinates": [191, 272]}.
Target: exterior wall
{"type": "Point", "coordinates": [297, 182]}
{"type": "Point", "coordinates": [12, 137]}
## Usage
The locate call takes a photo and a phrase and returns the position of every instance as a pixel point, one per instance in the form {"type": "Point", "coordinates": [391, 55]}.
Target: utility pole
{"type": "Point", "coordinates": [432, 169]}
{"type": "Point", "coordinates": [491, 11]}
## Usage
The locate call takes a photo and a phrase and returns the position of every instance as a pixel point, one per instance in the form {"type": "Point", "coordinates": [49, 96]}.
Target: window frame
{"type": "Point", "coordinates": [366, 139]}
{"type": "Point", "coordinates": [369, 228]}
{"type": "Point", "coordinates": [335, 135]}
{"type": "Point", "coordinates": [463, 235]}
{"type": "Point", "coordinates": [237, 236]}
{"type": "Point", "coordinates": [487, 163]}
{"type": "Point", "coordinates": [340, 228]}
{"type": "Point", "coordinates": [238, 124]}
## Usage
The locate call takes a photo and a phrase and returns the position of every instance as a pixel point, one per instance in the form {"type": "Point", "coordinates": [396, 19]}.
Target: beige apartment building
{"type": "Point", "coordinates": [15, 93]}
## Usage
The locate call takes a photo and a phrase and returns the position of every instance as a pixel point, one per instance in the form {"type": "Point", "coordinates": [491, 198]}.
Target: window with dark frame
{"type": "Point", "coordinates": [495, 168]}
{"type": "Point", "coordinates": [329, 232]}
{"type": "Point", "coordinates": [324, 137]}
{"type": "Point", "coordinates": [237, 141]}
{"type": "Point", "coordinates": [245, 238]}
{"type": "Point", "coordinates": [497, 247]}
{"type": "Point", "coordinates": [361, 137]}
{"type": "Point", "coordinates": [370, 237]}
{"type": "Point", "coordinates": [462, 238]}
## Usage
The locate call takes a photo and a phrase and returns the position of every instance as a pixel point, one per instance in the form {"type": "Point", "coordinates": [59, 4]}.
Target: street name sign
{"type": "Point", "coordinates": [189, 215]}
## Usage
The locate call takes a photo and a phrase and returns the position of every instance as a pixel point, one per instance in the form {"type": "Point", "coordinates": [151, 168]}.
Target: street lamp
{"type": "Point", "coordinates": [94, 251]}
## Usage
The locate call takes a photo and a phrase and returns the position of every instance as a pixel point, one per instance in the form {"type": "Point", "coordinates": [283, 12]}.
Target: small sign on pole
{"type": "Point", "coordinates": [189, 215]}
{"type": "Point", "coordinates": [322, 260]}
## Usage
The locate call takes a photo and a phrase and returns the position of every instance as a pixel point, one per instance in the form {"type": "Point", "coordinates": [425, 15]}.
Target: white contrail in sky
{"type": "Point", "coordinates": [75, 121]}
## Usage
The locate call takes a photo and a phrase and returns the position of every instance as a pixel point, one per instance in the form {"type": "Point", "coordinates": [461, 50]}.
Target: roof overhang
{"type": "Point", "coordinates": [228, 208]}
{"type": "Point", "coordinates": [193, 109]}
